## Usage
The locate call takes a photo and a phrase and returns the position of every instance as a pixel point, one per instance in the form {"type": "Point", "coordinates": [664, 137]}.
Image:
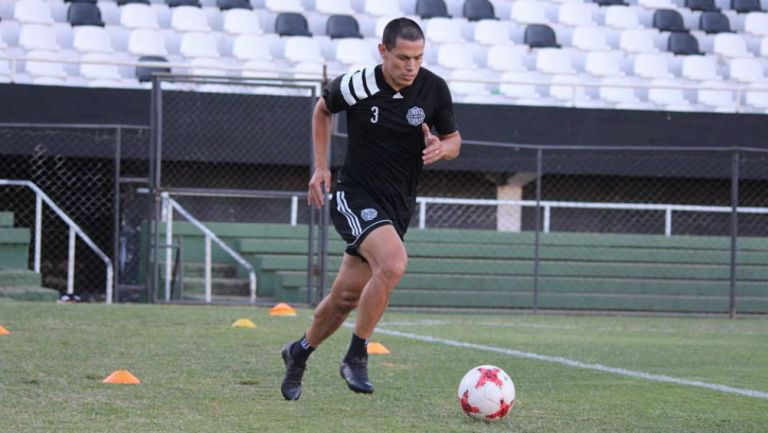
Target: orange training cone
{"type": "Point", "coordinates": [282, 309]}
{"type": "Point", "coordinates": [4, 331]}
{"type": "Point", "coordinates": [378, 349]}
{"type": "Point", "coordinates": [122, 377]}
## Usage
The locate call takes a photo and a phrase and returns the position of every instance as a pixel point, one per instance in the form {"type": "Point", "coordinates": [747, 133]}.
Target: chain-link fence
{"type": "Point", "coordinates": [77, 167]}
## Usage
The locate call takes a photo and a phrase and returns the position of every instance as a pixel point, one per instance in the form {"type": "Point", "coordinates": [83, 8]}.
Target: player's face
{"type": "Point", "coordinates": [401, 64]}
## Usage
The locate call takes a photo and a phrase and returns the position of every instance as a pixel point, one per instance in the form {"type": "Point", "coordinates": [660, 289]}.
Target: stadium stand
{"type": "Point", "coordinates": [727, 30]}
{"type": "Point", "coordinates": [16, 281]}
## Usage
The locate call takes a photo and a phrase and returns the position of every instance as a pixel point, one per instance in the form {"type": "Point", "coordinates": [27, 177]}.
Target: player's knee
{"type": "Point", "coordinates": [393, 268]}
{"type": "Point", "coordinates": [346, 302]}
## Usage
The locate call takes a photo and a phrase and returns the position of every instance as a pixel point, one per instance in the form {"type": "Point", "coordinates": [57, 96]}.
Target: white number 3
{"type": "Point", "coordinates": [375, 111]}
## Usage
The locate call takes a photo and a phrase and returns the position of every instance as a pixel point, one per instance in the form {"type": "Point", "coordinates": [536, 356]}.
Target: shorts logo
{"type": "Point", "coordinates": [368, 214]}
{"type": "Point", "coordinates": [415, 116]}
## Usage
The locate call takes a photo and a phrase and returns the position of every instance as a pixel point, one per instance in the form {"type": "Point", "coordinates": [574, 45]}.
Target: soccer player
{"type": "Point", "coordinates": [391, 109]}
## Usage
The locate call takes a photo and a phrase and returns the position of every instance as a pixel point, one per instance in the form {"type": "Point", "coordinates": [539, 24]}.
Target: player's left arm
{"type": "Point", "coordinates": [440, 147]}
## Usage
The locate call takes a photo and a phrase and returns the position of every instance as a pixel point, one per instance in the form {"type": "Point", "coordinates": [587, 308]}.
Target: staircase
{"type": "Point", "coordinates": [17, 282]}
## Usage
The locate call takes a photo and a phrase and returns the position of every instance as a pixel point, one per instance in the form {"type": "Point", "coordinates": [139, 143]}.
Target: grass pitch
{"type": "Point", "coordinates": [201, 375]}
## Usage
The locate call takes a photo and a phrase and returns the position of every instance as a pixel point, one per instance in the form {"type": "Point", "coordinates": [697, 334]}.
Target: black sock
{"type": "Point", "coordinates": [358, 348]}
{"type": "Point", "coordinates": [300, 350]}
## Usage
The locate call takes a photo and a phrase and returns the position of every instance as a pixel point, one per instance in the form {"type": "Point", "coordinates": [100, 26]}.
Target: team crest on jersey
{"type": "Point", "coordinates": [368, 214]}
{"type": "Point", "coordinates": [415, 116]}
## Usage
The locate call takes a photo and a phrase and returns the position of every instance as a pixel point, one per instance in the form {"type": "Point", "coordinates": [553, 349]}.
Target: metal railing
{"type": "Point", "coordinates": [168, 206]}
{"type": "Point", "coordinates": [74, 232]}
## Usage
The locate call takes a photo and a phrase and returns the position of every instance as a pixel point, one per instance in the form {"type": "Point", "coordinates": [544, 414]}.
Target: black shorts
{"type": "Point", "coordinates": [355, 214]}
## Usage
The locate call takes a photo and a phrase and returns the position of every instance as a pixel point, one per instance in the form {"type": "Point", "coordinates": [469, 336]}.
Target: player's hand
{"type": "Point", "coordinates": [319, 187]}
{"type": "Point", "coordinates": [433, 147]}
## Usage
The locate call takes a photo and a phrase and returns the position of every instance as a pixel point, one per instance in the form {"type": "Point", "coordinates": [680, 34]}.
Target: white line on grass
{"type": "Point", "coordinates": [579, 364]}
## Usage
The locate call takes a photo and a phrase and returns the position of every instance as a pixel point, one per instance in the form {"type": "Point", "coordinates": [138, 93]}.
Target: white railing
{"type": "Point", "coordinates": [74, 232]}
{"type": "Point", "coordinates": [168, 206]}
{"type": "Point", "coordinates": [668, 209]}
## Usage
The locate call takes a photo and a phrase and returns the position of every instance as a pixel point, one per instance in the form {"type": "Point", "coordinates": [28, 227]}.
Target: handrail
{"type": "Point", "coordinates": [169, 205]}
{"type": "Point", "coordinates": [74, 230]}
{"type": "Point", "coordinates": [549, 205]}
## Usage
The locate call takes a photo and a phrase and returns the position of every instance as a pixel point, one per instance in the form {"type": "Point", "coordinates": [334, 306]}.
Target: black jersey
{"type": "Point", "coordinates": [385, 141]}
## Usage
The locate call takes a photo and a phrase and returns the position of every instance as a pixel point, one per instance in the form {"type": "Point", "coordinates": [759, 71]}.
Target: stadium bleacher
{"type": "Point", "coordinates": [622, 54]}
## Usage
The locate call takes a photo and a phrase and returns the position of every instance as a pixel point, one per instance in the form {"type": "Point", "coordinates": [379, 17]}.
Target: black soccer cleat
{"type": "Point", "coordinates": [355, 373]}
{"type": "Point", "coordinates": [294, 371]}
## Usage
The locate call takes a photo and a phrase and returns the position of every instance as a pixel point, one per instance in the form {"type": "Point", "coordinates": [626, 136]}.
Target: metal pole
{"type": "Point", "coordinates": [422, 214]}
{"type": "Point", "coordinates": [116, 211]}
{"type": "Point", "coordinates": [734, 231]}
{"type": "Point", "coordinates": [668, 222]}
{"type": "Point", "coordinates": [38, 231]}
{"type": "Point", "coordinates": [155, 185]}
{"type": "Point", "coordinates": [168, 215]}
{"type": "Point", "coordinates": [536, 246]}
{"type": "Point", "coordinates": [71, 262]}
{"type": "Point", "coordinates": [294, 209]}
{"type": "Point", "coordinates": [208, 289]}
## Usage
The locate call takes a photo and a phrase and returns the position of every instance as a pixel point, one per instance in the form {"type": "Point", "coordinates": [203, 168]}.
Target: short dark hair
{"type": "Point", "coordinates": [403, 28]}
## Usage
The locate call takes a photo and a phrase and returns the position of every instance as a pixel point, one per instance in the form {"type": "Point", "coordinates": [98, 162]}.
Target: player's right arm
{"type": "Point", "coordinates": [320, 183]}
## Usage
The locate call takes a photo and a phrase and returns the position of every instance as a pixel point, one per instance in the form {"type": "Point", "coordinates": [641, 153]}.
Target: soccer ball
{"type": "Point", "coordinates": [486, 392]}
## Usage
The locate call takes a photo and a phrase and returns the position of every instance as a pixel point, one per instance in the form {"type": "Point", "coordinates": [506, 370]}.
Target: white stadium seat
{"type": "Point", "coordinates": [302, 49]}
{"type": "Point", "coordinates": [529, 12]}
{"type": "Point", "coordinates": [242, 22]}
{"type": "Point", "coordinates": [590, 39]}
{"type": "Point", "coordinates": [38, 37]}
{"type": "Point", "coordinates": [651, 65]}
{"type": "Point", "coordinates": [554, 61]}
{"type": "Point", "coordinates": [461, 83]}
{"type": "Point", "coordinates": [576, 14]}
{"type": "Point", "coordinates": [666, 92]}
{"type": "Point", "coordinates": [351, 51]}
{"type": "Point", "coordinates": [756, 23]}
{"type": "Point", "coordinates": [657, 4]}
{"type": "Point", "coordinates": [603, 63]}
{"type": "Point", "coordinates": [32, 12]}
{"type": "Point", "coordinates": [638, 40]}
{"type": "Point", "coordinates": [730, 45]}
{"type": "Point", "coordinates": [700, 68]}
{"type": "Point", "coordinates": [138, 16]}
{"type": "Point", "coordinates": [618, 90]}
{"type": "Point", "coordinates": [308, 70]}
{"type": "Point", "coordinates": [207, 67]}
{"type": "Point", "coordinates": [334, 7]}
{"type": "Point", "coordinates": [455, 56]}
{"type": "Point", "coordinates": [189, 19]}
{"type": "Point", "coordinates": [764, 46]}
{"type": "Point", "coordinates": [101, 70]}
{"type": "Point", "coordinates": [199, 44]}
{"type": "Point", "coordinates": [382, 8]}
{"type": "Point", "coordinates": [520, 85]}
{"type": "Point", "coordinates": [757, 95]}
{"type": "Point", "coordinates": [717, 95]}
{"type": "Point", "coordinates": [622, 17]}
{"type": "Point", "coordinates": [284, 5]}
{"type": "Point", "coordinates": [147, 42]}
{"type": "Point", "coordinates": [567, 88]}
{"type": "Point", "coordinates": [506, 58]}
{"type": "Point", "coordinates": [492, 32]}
{"type": "Point", "coordinates": [41, 64]}
{"type": "Point", "coordinates": [251, 47]}
{"type": "Point", "coordinates": [92, 39]}
{"type": "Point", "coordinates": [443, 30]}
{"type": "Point", "coordinates": [259, 69]}
{"type": "Point", "coordinates": [746, 70]}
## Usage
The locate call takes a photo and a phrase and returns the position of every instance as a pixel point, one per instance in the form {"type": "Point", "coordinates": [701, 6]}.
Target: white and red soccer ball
{"type": "Point", "coordinates": [486, 392]}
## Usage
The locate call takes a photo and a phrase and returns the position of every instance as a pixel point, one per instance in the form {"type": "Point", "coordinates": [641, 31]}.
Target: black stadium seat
{"type": "Point", "coordinates": [611, 2]}
{"type": "Point", "coordinates": [291, 24]}
{"type": "Point", "coordinates": [745, 6]}
{"type": "Point", "coordinates": [475, 10]}
{"type": "Point", "coordinates": [431, 9]}
{"type": "Point", "coordinates": [701, 5]}
{"type": "Point", "coordinates": [175, 3]}
{"type": "Point", "coordinates": [668, 20]}
{"type": "Point", "coordinates": [342, 26]}
{"type": "Point", "coordinates": [683, 44]}
{"type": "Point", "coordinates": [125, 2]}
{"type": "Point", "coordinates": [714, 22]}
{"type": "Point", "coordinates": [540, 36]}
{"type": "Point", "coordinates": [144, 73]}
{"type": "Point", "coordinates": [226, 5]}
{"type": "Point", "coordinates": [84, 14]}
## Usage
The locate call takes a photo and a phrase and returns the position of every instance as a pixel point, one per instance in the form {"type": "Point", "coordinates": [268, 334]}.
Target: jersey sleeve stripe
{"type": "Point", "coordinates": [370, 80]}
{"type": "Point", "coordinates": [345, 92]}
{"type": "Point", "coordinates": [357, 84]}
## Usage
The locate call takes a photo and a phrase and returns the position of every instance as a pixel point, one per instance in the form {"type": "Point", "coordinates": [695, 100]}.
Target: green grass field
{"type": "Point", "coordinates": [201, 375]}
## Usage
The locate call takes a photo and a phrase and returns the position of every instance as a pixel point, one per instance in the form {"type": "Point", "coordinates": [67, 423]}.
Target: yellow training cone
{"type": "Point", "coordinates": [4, 331]}
{"type": "Point", "coordinates": [378, 348]}
{"type": "Point", "coordinates": [244, 323]}
{"type": "Point", "coordinates": [122, 377]}
{"type": "Point", "coordinates": [282, 309]}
